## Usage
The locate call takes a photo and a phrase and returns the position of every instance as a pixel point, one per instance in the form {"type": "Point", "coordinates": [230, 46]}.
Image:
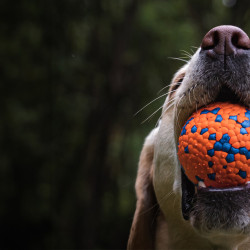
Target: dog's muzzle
{"type": "Point", "coordinates": [224, 56]}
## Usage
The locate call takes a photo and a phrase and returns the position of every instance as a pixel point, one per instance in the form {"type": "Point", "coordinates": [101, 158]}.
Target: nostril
{"type": "Point", "coordinates": [235, 40]}
{"type": "Point", "coordinates": [210, 41]}
{"type": "Point", "coordinates": [216, 38]}
{"type": "Point", "coordinates": [240, 40]}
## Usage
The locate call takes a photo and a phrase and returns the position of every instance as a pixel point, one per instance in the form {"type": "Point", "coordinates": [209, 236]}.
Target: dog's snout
{"type": "Point", "coordinates": [225, 40]}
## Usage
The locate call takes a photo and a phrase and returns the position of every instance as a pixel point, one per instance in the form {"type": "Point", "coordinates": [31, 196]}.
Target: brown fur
{"type": "Point", "coordinates": [142, 234]}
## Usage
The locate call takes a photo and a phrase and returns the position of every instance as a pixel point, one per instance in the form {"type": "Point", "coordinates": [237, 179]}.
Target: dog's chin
{"type": "Point", "coordinates": [226, 210]}
{"type": "Point", "coordinates": [213, 211]}
{"type": "Point", "coordinates": [222, 215]}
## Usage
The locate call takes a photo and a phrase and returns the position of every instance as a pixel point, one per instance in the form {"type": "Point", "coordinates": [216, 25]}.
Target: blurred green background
{"type": "Point", "coordinates": [73, 74]}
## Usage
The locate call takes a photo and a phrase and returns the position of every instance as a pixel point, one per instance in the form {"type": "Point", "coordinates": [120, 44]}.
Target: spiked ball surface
{"type": "Point", "coordinates": [214, 145]}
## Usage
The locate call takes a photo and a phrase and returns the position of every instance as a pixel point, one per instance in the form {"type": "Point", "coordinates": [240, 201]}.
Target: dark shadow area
{"type": "Point", "coordinates": [73, 74]}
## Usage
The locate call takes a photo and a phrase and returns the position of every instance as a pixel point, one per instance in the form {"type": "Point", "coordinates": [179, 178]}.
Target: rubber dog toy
{"type": "Point", "coordinates": [214, 146]}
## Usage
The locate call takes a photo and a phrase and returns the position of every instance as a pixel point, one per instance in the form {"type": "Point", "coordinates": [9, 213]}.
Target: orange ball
{"type": "Point", "coordinates": [214, 145]}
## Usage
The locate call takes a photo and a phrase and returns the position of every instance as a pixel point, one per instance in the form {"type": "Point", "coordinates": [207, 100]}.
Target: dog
{"type": "Point", "coordinates": [171, 213]}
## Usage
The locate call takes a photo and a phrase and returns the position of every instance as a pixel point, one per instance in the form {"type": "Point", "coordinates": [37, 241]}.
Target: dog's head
{"type": "Point", "coordinates": [219, 71]}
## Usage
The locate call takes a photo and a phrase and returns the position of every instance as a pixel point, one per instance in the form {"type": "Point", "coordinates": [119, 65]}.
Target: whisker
{"type": "Point", "coordinates": [191, 90]}
{"type": "Point", "coordinates": [184, 57]}
{"type": "Point", "coordinates": [150, 103]}
{"type": "Point", "coordinates": [165, 110]}
{"type": "Point", "coordinates": [177, 115]}
{"type": "Point", "coordinates": [152, 114]}
{"type": "Point", "coordinates": [149, 209]}
{"type": "Point", "coordinates": [169, 92]}
{"type": "Point", "coordinates": [163, 88]}
{"type": "Point", "coordinates": [177, 119]}
{"type": "Point", "coordinates": [186, 53]}
{"type": "Point", "coordinates": [171, 102]}
{"type": "Point", "coordinates": [166, 196]}
{"type": "Point", "coordinates": [208, 93]}
{"type": "Point", "coordinates": [189, 96]}
{"type": "Point", "coordinates": [179, 59]}
{"type": "Point", "coordinates": [187, 57]}
{"type": "Point", "coordinates": [193, 47]}
{"type": "Point", "coordinates": [172, 91]}
{"type": "Point", "coordinates": [168, 107]}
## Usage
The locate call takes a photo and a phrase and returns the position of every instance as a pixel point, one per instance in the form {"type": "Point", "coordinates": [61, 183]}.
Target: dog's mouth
{"type": "Point", "coordinates": [220, 73]}
{"type": "Point", "coordinates": [201, 201]}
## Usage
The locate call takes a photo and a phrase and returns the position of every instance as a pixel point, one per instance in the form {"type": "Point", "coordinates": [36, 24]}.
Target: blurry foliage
{"type": "Point", "coordinates": [74, 73]}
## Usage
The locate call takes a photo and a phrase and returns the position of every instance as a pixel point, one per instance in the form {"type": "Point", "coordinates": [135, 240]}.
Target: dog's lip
{"type": "Point", "coordinates": [190, 192]}
{"type": "Point", "coordinates": [225, 189]}
{"type": "Point", "coordinates": [188, 195]}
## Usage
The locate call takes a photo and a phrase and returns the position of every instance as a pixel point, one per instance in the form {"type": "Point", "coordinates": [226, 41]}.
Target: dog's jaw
{"type": "Point", "coordinates": [167, 185]}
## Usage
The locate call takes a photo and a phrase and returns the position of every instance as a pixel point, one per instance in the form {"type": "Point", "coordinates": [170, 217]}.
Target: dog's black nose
{"type": "Point", "coordinates": [225, 40]}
